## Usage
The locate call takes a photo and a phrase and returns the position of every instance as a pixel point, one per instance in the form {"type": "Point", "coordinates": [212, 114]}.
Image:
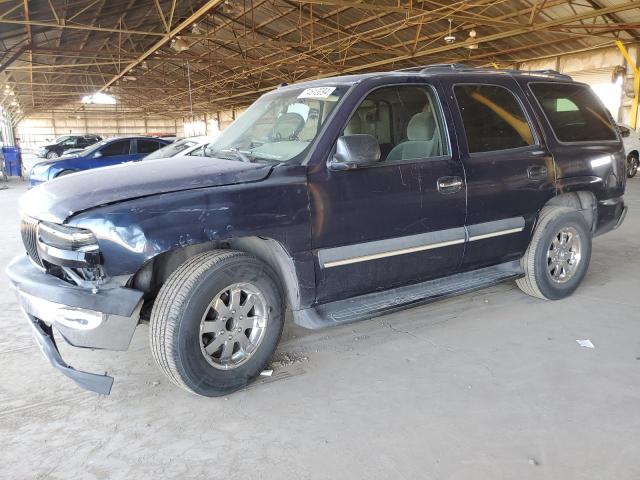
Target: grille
{"type": "Point", "coordinates": [28, 230]}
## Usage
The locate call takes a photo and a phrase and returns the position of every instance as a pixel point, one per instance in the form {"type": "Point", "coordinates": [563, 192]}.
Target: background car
{"type": "Point", "coordinates": [631, 141]}
{"type": "Point", "coordinates": [180, 147]}
{"type": "Point", "coordinates": [65, 143]}
{"type": "Point", "coordinates": [107, 152]}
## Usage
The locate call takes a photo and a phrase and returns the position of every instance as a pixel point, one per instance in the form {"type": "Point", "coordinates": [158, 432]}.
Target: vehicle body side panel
{"type": "Point", "coordinates": [132, 232]}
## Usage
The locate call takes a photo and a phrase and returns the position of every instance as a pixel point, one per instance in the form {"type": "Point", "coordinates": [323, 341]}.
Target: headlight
{"type": "Point", "coordinates": [65, 237]}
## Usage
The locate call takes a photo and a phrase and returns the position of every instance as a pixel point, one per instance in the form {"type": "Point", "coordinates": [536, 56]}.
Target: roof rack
{"type": "Point", "coordinates": [448, 67]}
{"type": "Point", "coordinates": [436, 66]}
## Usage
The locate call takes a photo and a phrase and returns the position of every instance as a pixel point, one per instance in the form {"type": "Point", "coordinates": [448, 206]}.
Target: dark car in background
{"type": "Point", "coordinates": [338, 200]}
{"type": "Point", "coordinates": [102, 154]}
{"type": "Point", "coordinates": [65, 143]}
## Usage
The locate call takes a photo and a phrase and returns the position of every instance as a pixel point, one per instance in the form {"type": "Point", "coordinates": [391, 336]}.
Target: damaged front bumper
{"type": "Point", "coordinates": [102, 319]}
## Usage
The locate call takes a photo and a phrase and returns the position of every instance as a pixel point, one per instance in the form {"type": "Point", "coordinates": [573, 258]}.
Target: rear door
{"type": "Point", "coordinates": [509, 170]}
{"type": "Point", "coordinates": [144, 147]}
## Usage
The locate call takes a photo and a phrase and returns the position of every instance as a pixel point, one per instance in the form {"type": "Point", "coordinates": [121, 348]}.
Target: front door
{"type": "Point", "coordinates": [509, 171]}
{"type": "Point", "coordinates": [396, 222]}
{"type": "Point", "coordinates": [116, 152]}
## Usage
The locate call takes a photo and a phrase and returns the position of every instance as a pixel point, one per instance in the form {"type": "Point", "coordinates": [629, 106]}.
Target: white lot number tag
{"type": "Point", "coordinates": [317, 92]}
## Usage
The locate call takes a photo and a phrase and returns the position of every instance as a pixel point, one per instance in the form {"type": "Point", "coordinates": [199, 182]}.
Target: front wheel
{"type": "Point", "coordinates": [632, 165]}
{"type": "Point", "coordinates": [52, 155]}
{"type": "Point", "coordinates": [216, 322]}
{"type": "Point", "coordinates": [558, 256]}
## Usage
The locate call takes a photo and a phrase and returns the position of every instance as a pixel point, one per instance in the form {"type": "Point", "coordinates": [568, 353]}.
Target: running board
{"type": "Point", "coordinates": [387, 301]}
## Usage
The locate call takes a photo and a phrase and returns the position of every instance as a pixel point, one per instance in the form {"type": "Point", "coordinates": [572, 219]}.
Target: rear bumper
{"type": "Point", "coordinates": [610, 215]}
{"type": "Point", "coordinates": [90, 319]}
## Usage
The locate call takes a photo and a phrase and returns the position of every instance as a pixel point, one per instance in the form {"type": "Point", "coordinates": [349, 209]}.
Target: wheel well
{"type": "Point", "coordinates": [583, 201]}
{"type": "Point", "coordinates": [155, 272]}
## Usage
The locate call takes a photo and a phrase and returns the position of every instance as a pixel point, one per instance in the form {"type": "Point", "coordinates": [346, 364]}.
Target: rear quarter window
{"type": "Point", "coordinates": [574, 112]}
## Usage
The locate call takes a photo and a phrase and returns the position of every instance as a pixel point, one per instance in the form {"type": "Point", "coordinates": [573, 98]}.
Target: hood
{"type": "Point", "coordinates": [57, 200]}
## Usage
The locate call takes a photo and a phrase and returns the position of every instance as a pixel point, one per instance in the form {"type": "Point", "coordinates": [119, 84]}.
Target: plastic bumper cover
{"type": "Point", "coordinates": [105, 319]}
{"type": "Point", "coordinates": [610, 215]}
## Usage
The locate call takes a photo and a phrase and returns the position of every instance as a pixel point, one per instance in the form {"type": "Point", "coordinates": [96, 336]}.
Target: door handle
{"type": "Point", "coordinates": [447, 185]}
{"type": "Point", "coordinates": [536, 172]}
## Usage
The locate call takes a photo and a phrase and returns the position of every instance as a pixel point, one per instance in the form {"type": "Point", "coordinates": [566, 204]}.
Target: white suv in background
{"type": "Point", "coordinates": [631, 141]}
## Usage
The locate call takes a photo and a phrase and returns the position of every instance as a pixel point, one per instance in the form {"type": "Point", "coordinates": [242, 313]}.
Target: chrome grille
{"type": "Point", "coordinates": [28, 230]}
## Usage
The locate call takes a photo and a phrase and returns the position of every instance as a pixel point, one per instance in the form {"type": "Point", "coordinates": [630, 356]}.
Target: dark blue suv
{"type": "Point", "coordinates": [339, 199]}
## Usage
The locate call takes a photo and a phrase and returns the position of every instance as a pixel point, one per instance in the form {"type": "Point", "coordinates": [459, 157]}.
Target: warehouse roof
{"type": "Point", "coordinates": [147, 52]}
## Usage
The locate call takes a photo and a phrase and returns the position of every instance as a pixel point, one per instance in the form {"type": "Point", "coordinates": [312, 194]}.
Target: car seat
{"type": "Point", "coordinates": [421, 142]}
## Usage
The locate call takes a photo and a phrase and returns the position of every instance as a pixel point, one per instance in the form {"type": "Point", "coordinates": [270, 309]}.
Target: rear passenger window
{"type": "Point", "coordinates": [493, 118]}
{"type": "Point", "coordinates": [121, 147]}
{"type": "Point", "coordinates": [574, 112]}
{"type": "Point", "coordinates": [405, 120]}
{"type": "Point", "coordinates": [147, 146]}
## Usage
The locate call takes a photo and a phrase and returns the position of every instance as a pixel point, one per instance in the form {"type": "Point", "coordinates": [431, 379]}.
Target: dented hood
{"type": "Point", "coordinates": [57, 200]}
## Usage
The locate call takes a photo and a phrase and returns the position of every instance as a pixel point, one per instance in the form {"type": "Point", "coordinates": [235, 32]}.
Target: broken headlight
{"type": "Point", "coordinates": [65, 237]}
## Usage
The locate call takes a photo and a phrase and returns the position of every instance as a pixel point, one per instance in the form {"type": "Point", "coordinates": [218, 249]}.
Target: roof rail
{"type": "Point", "coordinates": [447, 67]}
{"type": "Point", "coordinates": [436, 66]}
{"type": "Point", "coordinates": [549, 72]}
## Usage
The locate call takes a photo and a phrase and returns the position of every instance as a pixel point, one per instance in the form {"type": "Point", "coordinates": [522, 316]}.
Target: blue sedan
{"type": "Point", "coordinates": [102, 154]}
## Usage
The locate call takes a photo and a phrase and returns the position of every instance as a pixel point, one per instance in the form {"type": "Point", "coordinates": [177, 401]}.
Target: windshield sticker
{"type": "Point", "coordinates": [317, 92]}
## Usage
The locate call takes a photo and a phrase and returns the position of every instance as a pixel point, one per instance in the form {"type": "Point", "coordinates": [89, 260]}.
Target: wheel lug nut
{"type": "Point", "coordinates": [233, 311]}
{"type": "Point", "coordinates": [238, 330]}
{"type": "Point", "coordinates": [230, 337]}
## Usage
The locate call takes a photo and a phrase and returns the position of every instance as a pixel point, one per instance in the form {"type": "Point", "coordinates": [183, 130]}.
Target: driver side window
{"type": "Point", "coordinates": [405, 121]}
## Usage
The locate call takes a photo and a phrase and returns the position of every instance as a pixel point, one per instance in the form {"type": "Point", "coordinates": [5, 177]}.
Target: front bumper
{"type": "Point", "coordinates": [103, 319]}
{"type": "Point", "coordinates": [47, 343]}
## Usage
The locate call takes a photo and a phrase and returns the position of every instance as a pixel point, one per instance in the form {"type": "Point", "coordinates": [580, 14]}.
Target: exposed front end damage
{"type": "Point", "coordinates": [86, 318]}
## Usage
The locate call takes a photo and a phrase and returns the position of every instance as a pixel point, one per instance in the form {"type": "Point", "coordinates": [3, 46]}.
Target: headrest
{"type": "Point", "coordinates": [288, 124]}
{"type": "Point", "coordinates": [354, 126]}
{"type": "Point", "coordinates": [421, 127]}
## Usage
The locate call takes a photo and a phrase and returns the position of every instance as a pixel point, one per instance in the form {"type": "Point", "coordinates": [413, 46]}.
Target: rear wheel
{"type": "Point", "coordinates": [216, 322]}
{"type": "Point", "coordinates": [558, 256]}
{"type": "Point", "coordinates": [632, 165]}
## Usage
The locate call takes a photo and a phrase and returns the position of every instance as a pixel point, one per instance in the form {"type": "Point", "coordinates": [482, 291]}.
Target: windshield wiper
{"type": "Point", "coordinates": [236, 153]}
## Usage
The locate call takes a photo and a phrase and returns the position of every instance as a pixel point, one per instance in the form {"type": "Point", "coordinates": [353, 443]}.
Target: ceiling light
{"type": "Point", "coordinates": [99, 98]}
{"type": "Point", "coordinates": [472, 36]}
{"type": "Point", "coordinates": [450, 38]}
{"type": "Point", "coordinates": [179, 45]}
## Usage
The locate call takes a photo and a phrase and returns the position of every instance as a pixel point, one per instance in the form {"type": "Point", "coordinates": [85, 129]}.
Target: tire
{"type": "Point", "coordinates": [52, 155]}
{"type": "Point", "coordinates": [543, 280]}
{"type": "Point", "coordinates": [184, 306]}
{"type": "Point", "coordinates": [632, 165]}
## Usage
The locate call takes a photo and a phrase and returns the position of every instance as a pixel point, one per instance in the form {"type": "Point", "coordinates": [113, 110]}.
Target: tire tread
{"type": "Point", "coordinates": [528, 284]}
{"type": "Point", "coordinates": [169, 305]}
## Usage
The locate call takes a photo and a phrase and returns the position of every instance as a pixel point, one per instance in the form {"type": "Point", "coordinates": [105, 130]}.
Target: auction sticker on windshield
{"type": "Point", "coordinates": [317, 92]}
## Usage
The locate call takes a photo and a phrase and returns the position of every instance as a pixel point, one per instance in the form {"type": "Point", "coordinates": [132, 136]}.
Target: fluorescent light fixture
{"type": "Point", "coordinates": [99, 98]}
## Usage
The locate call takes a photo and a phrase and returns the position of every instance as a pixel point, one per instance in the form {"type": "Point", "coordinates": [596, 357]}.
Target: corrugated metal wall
{"type": "Point", "coordinates": [45, 126]}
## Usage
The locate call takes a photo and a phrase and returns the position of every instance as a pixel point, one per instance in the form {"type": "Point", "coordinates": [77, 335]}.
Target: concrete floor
{"type": "Point", "coordinates": [488, 385]}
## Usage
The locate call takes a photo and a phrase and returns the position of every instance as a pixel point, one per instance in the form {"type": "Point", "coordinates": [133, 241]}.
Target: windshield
{"type": "Point", "coordinates": [61, 139]}
{"type": "Point", "coordinates": [172, 149]}
{"type": "Point", "coordinates": [278, 127]}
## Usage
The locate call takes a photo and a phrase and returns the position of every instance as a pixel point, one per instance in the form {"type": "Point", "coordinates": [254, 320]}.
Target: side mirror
{"type": "Point", "coordinates": [355, 151]}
